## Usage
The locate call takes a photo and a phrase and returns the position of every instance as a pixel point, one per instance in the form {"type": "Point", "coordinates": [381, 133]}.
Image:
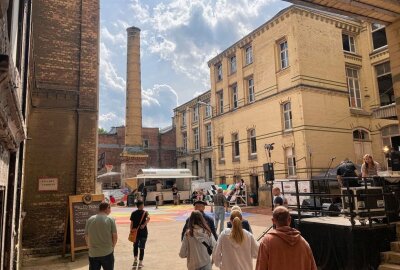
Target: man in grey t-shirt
{"type": "Point", "coordinates": [101, 238]}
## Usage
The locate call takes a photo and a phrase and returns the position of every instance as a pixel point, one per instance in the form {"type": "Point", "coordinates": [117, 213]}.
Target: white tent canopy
{"type": "Point", "coordinates": [164, 173]}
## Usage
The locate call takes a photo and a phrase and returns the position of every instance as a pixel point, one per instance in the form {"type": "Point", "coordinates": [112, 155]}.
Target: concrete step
{"type": "Point", "coordinates": [395, 246]}
{"type": "Point", "coordinates": [390, 257]}
{"type": "Point", "coordinates": [389, 266]}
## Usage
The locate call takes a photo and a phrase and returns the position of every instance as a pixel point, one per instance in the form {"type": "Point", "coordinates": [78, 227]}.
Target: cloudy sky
{"type": "Point", "coordinates": [178, 37]}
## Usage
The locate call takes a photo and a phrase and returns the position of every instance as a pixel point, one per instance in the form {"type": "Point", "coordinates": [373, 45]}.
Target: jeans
{"type": "Point", "coordinates": [205, 267]}
{"type": "Point", "coordinates": [95, 263]}
{"type": "Point", "coordinates": [139, 244]}
{"type": "Point", "coordinates": [219, 216]}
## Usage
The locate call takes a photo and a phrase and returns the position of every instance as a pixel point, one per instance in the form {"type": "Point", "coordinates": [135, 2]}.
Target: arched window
{"type": "Point", "coordinates": [362, 144]}
{"type": "Point", "coordinates": [360, 135]}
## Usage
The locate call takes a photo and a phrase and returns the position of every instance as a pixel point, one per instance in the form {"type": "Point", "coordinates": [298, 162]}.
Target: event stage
{"type": "Point", "coordinates": [337, 245]}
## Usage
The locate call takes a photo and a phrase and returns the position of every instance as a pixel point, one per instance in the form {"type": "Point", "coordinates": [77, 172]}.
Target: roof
{"type": "Point", "coordinates": [164, 173]}
{"type": "Point", "coordinates": [245, 40]}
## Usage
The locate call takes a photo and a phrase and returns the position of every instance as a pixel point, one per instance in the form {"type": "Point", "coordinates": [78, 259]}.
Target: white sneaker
{"type": "Point", "coordinates": [140, 265]}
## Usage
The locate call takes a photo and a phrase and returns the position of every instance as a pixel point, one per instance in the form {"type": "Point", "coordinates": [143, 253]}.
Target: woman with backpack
{"type": "Point", "coordinates": [236, 247]}
{"type": "Point", "coordinates": [197, 243]}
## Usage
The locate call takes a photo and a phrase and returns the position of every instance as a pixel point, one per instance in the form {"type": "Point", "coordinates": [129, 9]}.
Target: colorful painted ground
{"type": "Point", "coordinates": [165, 213]}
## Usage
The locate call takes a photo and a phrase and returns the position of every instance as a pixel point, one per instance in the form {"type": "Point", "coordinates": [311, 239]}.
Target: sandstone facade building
{"type": "Point", "coordinates": [311, 82]}
{"type": "Point", "coordinates": [194, 136]}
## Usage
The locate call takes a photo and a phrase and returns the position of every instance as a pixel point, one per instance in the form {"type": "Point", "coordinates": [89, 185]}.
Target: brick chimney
{"type": "Point", "coordinates": [133, 157]}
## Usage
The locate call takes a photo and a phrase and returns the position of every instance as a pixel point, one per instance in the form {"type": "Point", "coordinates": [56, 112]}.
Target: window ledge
{"type": "Point", "coordinates": [252, 156]}
{"type": "Point", "coordinates": [283, 71]}
{"type": "Point", "coordinates": [246, 65]}
{"type": "Point", "coordinates": [221, 161]}
{"type": "Point", "coordinates": [359, 111]}
{"type": "Point", "coordinates": [236, 159]}
{"type": "Point", "coordinates": [233, 73]}
{"type": "Point", "coordinates": [288, 131]}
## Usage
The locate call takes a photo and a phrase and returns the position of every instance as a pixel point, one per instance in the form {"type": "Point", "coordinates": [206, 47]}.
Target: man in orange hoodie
{"type": "Point", "coordinates": [284, 248]}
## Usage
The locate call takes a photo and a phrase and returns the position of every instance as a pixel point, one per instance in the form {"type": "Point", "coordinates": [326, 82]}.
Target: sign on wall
{"type": "Point", "coordinates": [48, 184]}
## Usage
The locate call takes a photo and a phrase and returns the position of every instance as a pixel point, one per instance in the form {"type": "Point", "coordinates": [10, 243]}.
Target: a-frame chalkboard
{"type": "Point", "coordinates": [80, 208]}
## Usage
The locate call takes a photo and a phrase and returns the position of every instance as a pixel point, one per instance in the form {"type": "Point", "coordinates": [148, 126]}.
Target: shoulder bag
{"type": "Point", "coordinates": [134, 231]}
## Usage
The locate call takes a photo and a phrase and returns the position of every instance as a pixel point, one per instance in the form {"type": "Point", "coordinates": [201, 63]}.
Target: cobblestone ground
{"type": "Point", "coordinates": [162, 246]}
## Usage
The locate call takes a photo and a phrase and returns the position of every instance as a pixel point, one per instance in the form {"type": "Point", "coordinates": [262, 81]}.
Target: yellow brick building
{"type": "Point", "coordinates": [308, 81]}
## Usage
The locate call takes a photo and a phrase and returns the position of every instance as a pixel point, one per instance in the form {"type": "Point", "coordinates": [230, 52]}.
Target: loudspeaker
{"type": "Point", "coordinates": [269, 172]}
{"type": "Point", "coordinates": [309, 203]}
{"type": "Point", "coordinates": [395, 159]}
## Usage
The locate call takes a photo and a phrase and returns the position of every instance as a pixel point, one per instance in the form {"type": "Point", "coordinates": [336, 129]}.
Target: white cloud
{"type": "Point", "coordinates": [118, 38]}
{"type": "Point", "coordinates": [108, 74]}
{"type": "Point", "coordinates": [107, 117]}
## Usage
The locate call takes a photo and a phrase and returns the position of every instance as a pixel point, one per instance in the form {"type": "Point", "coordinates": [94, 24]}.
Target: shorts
{"type": "Point", "coordinates": [141, 242]}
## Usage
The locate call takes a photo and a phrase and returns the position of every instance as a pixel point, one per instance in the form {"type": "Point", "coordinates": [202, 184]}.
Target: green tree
{"type": "Point", "coordinates": [102, 131]}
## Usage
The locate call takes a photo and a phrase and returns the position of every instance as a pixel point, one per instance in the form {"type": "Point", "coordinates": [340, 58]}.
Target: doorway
{"type": "Point", "coordinates": [254, 185]}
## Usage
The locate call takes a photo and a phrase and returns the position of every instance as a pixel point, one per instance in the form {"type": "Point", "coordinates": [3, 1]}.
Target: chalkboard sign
{"type": "Point", "coordinates": [80, 208]}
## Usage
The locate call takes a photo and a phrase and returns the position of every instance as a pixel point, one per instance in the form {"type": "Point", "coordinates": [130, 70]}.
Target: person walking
{"type": "Point", "coordinates": [101, 238]}
{"type": "Point", "coordinates": [139, 219]}
{"type": "Point", "coordinates": [196, 242]}
{"type": "Point", "coordinates": [200, 206]}
{"type": "Point", "coordinates": [245, 223]}
{"type": "Point", "coordinates": [236, 247]}
{"type": "Point", "coordinates": [284, 247]}
{"type": "Point", "coordinates": [220, 206]}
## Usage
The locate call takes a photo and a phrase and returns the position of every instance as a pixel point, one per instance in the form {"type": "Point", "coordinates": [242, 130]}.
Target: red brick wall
{"type": "Point", "coordinates": [62, 115]}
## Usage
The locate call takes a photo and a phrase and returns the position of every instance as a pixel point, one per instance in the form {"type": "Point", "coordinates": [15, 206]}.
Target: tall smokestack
{"type": "Point", "coordinates": [133, 118]}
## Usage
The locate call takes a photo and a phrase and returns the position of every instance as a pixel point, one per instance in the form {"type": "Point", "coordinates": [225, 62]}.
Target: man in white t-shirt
{"type": "Point", "coordinates": [279, 199]}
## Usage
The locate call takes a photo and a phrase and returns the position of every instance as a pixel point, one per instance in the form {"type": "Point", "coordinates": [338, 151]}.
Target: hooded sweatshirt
{"type": "Point", "coordinates": [229, 255]}
{"type": "Point", "coordinates": [194, 250]}
{"type": "Point", "coordinates": [285, 249]}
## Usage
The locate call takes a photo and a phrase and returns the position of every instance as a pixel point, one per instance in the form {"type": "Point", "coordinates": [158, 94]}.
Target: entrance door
{"type": "Point", "coordinates": [254, 188]}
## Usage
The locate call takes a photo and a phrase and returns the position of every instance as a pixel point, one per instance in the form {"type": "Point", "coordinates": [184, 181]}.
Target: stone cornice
{"type": "Point", "coordinates": [202, 97]}
{"type": "Point", "coordinates": [348, 24]}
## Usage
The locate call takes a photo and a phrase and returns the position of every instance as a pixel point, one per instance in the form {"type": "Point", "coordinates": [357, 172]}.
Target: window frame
{"type": "Point", "coordinates": [220, 96]}
{"type": "Point", "coordinates": [352, 82]}
{"type": "Point", "coordinates": [184, 119]}
{"type": "Point", "coordinates": [144, 144]}
{"type": "Point", "coordinates": [252, 142]}
{"type": "Point", "coordinates": [248, 55]}
{"type": "Point", "coordinates": [208, 135]}
{"type": "Point", "coordinates": [250, 90]}
{"type": "Point", "coordinates": [196, 140]}
{"type": "Point", "coordinates": [219, 73]}
{"type": "Point", "coordinates": [352, 45]}
{"type": "Point", "coordinates": [184, 141]}
{"type": "Point", "coordinates": [291, 166]}
{"type": "Point", "coordinates": [382, 27]}
{"type": "Point", "coordinates": [221, 148]}
{"type": "Point", "coordinates": [385, 73]}
{"type": "Point", "coordinates": [235, 146]}
{"type": "Point", "coordinates": [288, 113]}
{"type": "Point", "coordinates": [207, 110]}
{"type": "Point", "coordinates": [231, 70]}
{"type": "Point", "coordinates": [235, 96]}
{"type": "Point", "coordinates": [283, 54]}
{"type": "Point", "coordinates": [195, 114]}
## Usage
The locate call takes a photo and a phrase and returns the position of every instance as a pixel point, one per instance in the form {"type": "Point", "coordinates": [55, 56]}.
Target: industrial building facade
{"type": "Point", "coordinates": [312, 83]}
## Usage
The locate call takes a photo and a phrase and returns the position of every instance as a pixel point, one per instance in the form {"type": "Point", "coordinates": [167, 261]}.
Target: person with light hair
{"type": "Point", "coordinates": [245, 223]}
{"type": "Point", "coordinates": [284, 247]}
{"type": "Point", "coordinates": [220, 206]}
{"type": "Point", "coordinates": [236, 247]}
{"type": "Point", "coordinates": [369, 167]}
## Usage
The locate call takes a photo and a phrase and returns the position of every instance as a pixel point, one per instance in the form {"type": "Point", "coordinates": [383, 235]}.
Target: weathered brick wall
{"type": "Point", "coordinates": [62, 121]}
{"type": "Point", "coordinates": [151, 134]}
{"type": "Point", "coordinates": [168, 149]}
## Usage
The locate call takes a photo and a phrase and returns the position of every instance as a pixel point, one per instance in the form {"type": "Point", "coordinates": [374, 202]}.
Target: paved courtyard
{"type": "Point", "coordinates": [162, 246]}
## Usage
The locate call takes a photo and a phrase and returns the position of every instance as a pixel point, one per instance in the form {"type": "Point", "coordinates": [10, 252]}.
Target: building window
{"type": "Point", "coordinates": [253, 142]}
{"type": "Point", "coordinates": [221, 148]}
{"type": "Point", "coordinates": [391, 137]}
{"type": "Point", "coordinates": [290, 161]}
{"type": "Point", "coordinates": [195, 167]}
{"type": "Point", "coordinates": [145, 143]}
{"type": "Point", "coordinates": [235, 145]}
{"type": "Point", "coordinates": [287, 116]}
{"type": "Point", "coordinates": [208, 109]}
{"type": "Point", "coordinates": [249, 55]}
{"type": "Point", "coordinates": [354, 88]}
{"type": "Point", "coordinates": [234, 96]}
{"type": "Point", "coordinates": [284, 54]}
{"type": "Point", "coordinates": [385, 83]}
{"type": "Point", "coordinates": [232, 64]}
{"type": "Point", "coordinates": [250, 85]}
{"type": "Point", "coordinates": [219, 71]}
{"type": "Point", "coordinates": [183, 165]}
{"type": "Point", "coordinates": [208, 135]}
{"type": "Point", "coordinates": [220, 98]}
{"type": "Point", "coordinates": [184, 139]}
{"type": "Point", "coordinates": [183, 119]}
{"type": "Point", "coordinates": [195, 113]}
{"type": "Point", "coordinates": [196, 138]}
{"type": "Point", "coordinates": [348, 43]}
{"type": "Point", "coordinates": [378, 36]}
